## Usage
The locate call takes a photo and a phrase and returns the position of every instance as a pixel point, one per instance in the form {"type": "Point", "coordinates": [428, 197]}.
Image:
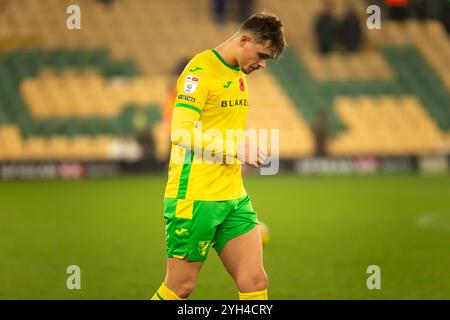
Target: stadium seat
{"type": "Point", "coordinates": [66, 84]}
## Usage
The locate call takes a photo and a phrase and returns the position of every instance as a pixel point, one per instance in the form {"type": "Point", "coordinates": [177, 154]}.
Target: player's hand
{"type": "Point", "coordinates": [251, 154]}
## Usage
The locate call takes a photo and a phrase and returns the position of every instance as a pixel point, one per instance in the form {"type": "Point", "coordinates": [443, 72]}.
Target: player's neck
{"type": "Point", "coordinates": [225, 50]}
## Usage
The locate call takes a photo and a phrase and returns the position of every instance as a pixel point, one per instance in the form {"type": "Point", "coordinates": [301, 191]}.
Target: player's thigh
{"type": "Point", "coordinates": [243, 255]}
{"type": "Point", "coordinates": [241, 219]}
{"type": "Point", "coordinates": [238, 240]}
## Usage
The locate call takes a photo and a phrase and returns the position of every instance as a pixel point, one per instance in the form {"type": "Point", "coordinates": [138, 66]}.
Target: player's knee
{"type": "Point", "coordinates": [185, 289]}
{"type": "Point", "coordinates": [252, 282]}
{"type": "Point", "coordinates": [260, 281]}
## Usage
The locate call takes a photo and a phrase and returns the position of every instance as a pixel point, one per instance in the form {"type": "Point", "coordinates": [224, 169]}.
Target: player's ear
{"type": "Point", "coordinates": [243, 39]}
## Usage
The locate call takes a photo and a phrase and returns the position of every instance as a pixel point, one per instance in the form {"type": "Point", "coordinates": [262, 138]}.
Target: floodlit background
{"type": "Point", "coordinates": [364, 119]}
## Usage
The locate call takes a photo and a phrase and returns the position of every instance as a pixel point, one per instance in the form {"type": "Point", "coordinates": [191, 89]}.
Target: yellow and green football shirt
{"type": "Point", "coordinates": [214, 94]}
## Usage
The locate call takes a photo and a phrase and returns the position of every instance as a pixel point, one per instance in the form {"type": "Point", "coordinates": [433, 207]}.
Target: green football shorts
{"type": "Point", "coordinates": [193, 226]}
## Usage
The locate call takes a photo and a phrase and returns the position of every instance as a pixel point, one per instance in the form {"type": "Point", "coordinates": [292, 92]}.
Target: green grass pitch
{"type": "Point", "coordinates": [325, 232]}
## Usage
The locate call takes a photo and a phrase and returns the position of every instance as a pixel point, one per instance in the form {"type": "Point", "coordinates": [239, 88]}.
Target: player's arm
{"type": "Point", "coordinates": [185, 133]}
{"type": "Point", "coordinates": [192, 93]}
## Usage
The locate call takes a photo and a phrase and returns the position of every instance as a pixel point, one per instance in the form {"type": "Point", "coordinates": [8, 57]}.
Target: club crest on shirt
{"type": "Point", "coordinates": [190, 84]}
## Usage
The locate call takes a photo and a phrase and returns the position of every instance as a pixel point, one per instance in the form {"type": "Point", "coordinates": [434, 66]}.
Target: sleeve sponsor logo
{"type": "Point", "coordinates": [191, 83]}
{"type": "Point", "coordinates": [191, 99]}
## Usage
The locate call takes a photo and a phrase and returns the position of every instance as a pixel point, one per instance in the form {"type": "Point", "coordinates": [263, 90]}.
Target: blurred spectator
{"type": "Point", "coordinates": [144, 137]}
{"type": "Point", "coordinates": [171, 96]}
{"type": "Point", "coordinates": [325, 28]}
{"type": "Point", "coordinates": [219, 11]}
{"type": "Point", "coordinates": [446, 16]}
{"type": "Point", "coordinates": [398, 9]}
{"type": "Point", "coordinates": [418, 8]}
{"type": "Point", "coordinates": [167, 115]}
{"type": "Point", "coordinates": [320, 131]}
{"type": "Point", "coordinates": [436, 9]}
{"type": "Point", "coordinates": [106, 2]}
{"type": "Point", "coordinates": [244, 9]}
{"type": "Point", "coordinates": [350, 33]}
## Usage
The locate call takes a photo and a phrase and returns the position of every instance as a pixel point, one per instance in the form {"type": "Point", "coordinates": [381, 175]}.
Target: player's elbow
{"type": "Point", "coordinates": [181, 136]}
{"type": "Point", "coordinates": [174, 139]}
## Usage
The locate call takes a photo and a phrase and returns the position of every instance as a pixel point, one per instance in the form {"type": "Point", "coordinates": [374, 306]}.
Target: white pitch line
{"type": "Point", "coordinates": [435, 220]}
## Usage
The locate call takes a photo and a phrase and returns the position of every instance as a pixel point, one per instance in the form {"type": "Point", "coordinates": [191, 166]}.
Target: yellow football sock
{"type": "Point", "coordinates": [165, 293]}
{"type": "Point", "coordinates": [257, 295]}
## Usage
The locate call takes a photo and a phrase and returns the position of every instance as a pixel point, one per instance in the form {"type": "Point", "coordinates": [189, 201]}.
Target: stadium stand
{"type": "Point", "coordinates": [76, 94]}
{"type": "Point", "coordinates": [406, 58]}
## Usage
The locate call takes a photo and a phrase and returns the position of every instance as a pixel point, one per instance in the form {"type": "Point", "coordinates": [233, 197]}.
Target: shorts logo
{"type": "Point", "coordinates": [203, 247]}
{"type": "Point", "coordinates": [180, 231]}
{"type": "Point", "coordinates": [190, 84]}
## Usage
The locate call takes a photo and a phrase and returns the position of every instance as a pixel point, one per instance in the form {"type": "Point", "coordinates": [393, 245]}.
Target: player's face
{"type": "Point", "coordinates": [254, 55]}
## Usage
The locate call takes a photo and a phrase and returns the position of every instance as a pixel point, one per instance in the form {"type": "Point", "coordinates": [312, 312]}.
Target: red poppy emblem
{"type": "Point", "coordinates": [241, 84]}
